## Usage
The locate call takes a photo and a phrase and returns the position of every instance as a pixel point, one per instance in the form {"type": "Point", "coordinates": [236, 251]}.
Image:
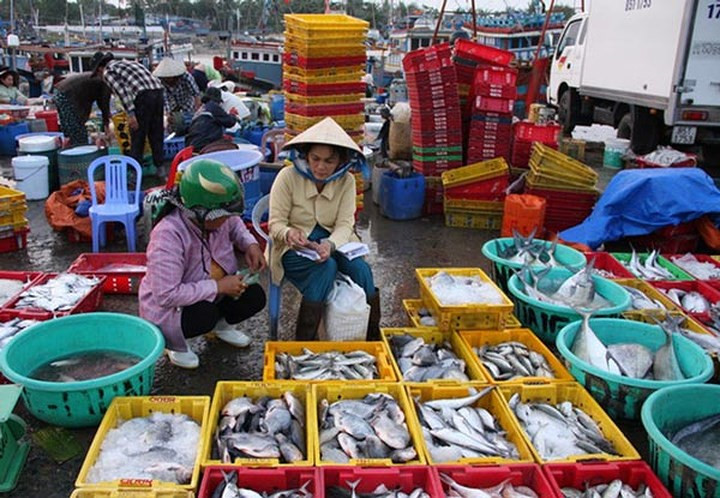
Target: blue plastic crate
{"type": "Point", "coordinates": [172, 147]}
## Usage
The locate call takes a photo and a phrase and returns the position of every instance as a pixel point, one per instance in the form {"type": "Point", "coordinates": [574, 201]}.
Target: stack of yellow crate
{"type": "Point", "coordinates": [14, 226]}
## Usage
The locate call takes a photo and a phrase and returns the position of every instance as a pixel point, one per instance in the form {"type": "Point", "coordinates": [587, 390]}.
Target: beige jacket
{"type": "Point", "coordinates": [296, 203]}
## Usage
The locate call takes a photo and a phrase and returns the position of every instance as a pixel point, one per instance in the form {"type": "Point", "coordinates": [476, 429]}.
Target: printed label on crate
{"type": "Point", "coordinates": [265, 462]}
{"type": "Point", "coordinates": [136, 483]}
{"type": "Point", "coordinates": [371, 462]}
{"type": "Point", "coordinates": [162, 399]}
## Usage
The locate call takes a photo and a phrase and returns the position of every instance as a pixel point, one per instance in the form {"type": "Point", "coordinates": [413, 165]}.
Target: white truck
{"type": "Point", "coordinates": [650, 68]}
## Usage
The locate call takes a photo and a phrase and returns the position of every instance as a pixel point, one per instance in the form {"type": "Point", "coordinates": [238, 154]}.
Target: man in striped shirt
{"type": "Point", "coordinates": [141, 94]}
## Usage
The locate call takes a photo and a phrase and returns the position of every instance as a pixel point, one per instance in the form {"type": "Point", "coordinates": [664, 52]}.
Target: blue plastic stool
{"type": "Point", "coordinates": [120, 205]}
{"type": "Point", "coordinates": [259, 210]}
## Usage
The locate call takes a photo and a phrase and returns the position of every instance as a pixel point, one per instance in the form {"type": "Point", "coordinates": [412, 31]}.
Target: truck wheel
{"type": "Point", "coordinates": [646, 131]}
{"type": "Point", "coordinates": [624, 129]}
{"type": "Point", "coordinates": [711, 156]}
{"type": "Point", "coordinates": [568, 110]}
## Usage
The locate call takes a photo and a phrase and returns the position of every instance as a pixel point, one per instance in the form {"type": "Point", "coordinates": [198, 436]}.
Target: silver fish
{"type": "Point", "coordinates": [700, 439]}
{"type": "Point", "coordinates": [421, 362]}
{"type": "Point", "coordinates": [640, 300]}
{"type": "Point", "coordinates": [649, 269]}
{"type": "Point", "coordinates": [613, 489]}
{"type": "Point", "coordinates": [665, 365]}
{"type": "Point", "coordinates": [508, 360]}
{"type": "Point", "coordinates": [589, 348]}
{"type": "Point", "coordinates": [702, 270]}
{"type": "Point", "coordinates": [60, 293]}
{"type": "Point", "coordinates": [328, 365]}
{"type": "Point", "coordinates": [634, 360]}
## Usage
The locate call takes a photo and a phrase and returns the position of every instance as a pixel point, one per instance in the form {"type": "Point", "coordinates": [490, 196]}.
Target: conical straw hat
{"type": "Point", "coordinates": [326, 132]}
{"type": "Point", "coordinates": [169, 68]}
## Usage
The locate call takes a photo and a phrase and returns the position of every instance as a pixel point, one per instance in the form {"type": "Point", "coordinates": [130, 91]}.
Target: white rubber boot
{"type": "Point", "coordinates": [230, 334]}
{"type": "Point", "coordinates": [184, 359]}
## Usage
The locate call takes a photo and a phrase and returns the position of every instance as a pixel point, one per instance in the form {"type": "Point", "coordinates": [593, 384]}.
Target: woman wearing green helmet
{"type": "Point", "coordinates": [191, 286]}
{"type": "Point", "coordinates": [312, 205]}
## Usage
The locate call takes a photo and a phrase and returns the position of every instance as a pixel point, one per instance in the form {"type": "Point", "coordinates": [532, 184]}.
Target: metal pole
{"type": "Point", "coordinates": [474, 14]}
{"type": "Point", "coordinates": [12, 16]}
{"type": "Point", "coordinates": [534, 85]}
{"type": "Point", "coordinates": [437, 26]}
{"type": "Point", "coordinates": [101, 14]}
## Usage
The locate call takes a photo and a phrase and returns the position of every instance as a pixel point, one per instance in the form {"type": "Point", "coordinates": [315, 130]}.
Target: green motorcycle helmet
{"type": "Point", "coordinates": [211, 190]}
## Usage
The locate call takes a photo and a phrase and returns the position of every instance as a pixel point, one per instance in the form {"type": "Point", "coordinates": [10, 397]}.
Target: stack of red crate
{"type": "Point", "coordinates": [436, 122]}
{"type": "Point", "coordinates": [525, 133]}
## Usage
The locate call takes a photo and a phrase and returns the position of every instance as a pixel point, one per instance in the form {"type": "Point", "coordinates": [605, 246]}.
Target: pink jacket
{"type": "Point", "coordinates": [178, 266]}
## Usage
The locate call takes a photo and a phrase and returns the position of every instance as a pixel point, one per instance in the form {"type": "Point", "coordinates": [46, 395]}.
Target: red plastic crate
{"type": "Point", "coordinates": [320, 90]}
{"type": "Point", "coordinates": [703, 258]}
{"type": "Point", "coordinates": [686, 228]}
{"type": "Point", "coordinates": [492, 104]}
{"type": "Point", "coordinates": [566, 200]}
{"type": "Point", "coordinates": [14, 242]}
{"type": "Point", "coordinates": [492, 117]}
{"type": "Point", "coordinates": [294, 59]}
{"type": "Point", "coordinates": [576, 475]}
{"type": "Point", "coordinates": [606, 261]}
{"type": "Point", "coordinates": [405, 478]}
{"type": "Point", "coordinates": [116, 282]}
{"type": "Point", "coordinates": [531, 132]}
{"type": "Point", "coordinates": [485, 189]}
{"type": "Point", "coordinates": [495, 76]}
{"type": "Point", "coordinates": [263, 480]}
{"type": "Point", "coordinates": [435, 169]}
{"type": "Point", "coordinates": [417, 58]}
{"type": "Point", "coordinates": [90, 302]}
{"type": "Point", "coordinates": [530, 475]}
{"type": "Point", "coordinates": [690, 162]}
{"type": "Point", "coordinates": [436, 68]}
{"type": "Point", "coordinates": [27, 277]}
{"type": "Point", "coordinates": [325, 110]}
{"type": "Point", "coordinates": [477, 52]}
{"type": "Point", "coordinates": [710, 292]}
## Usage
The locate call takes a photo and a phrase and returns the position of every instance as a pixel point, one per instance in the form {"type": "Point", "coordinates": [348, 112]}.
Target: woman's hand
{"type": "Point", "coordinates": [323, 249]}
{"type": "Point", "coordinates": [296, 239]}
{"type": "Point", "coordinates": [255, 258]}
{"type": "Point", "coordinates": [231, 285]}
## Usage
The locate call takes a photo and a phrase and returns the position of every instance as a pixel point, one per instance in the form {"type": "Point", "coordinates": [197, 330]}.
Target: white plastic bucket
{"type": "Point", "coordinates": [615, 149]}
{"type": "Point", "coordinates": [37, 143]}
{"type": "Point", "coordinates": [377, 174]}
{"type": "Point", "coordinates": [31, 175]}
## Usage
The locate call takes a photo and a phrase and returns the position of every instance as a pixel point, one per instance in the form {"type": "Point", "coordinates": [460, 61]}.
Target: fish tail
{"type": "Point", "coordinates": [353, 484]}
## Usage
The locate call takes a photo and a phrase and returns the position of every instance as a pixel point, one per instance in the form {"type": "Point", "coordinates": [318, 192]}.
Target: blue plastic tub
{"type": "Point", "coordinates": [8, 134]}
{"type": "Point", "coordinates": [246, 164]}
{"type": "Point", "coordinates": [277, 107]}
{"type": "Point", "coordinates": [623, 396]}
{"type": "Point", "coordinates": [402, 198]}
{"type": "Point", "coordinates": [172, 146]}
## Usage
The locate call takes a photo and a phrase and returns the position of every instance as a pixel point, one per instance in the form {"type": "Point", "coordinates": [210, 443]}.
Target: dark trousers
{"type": "Point", "coordinates": [200, 318]}
{"type": "Point", "coordinates": [149, 113]}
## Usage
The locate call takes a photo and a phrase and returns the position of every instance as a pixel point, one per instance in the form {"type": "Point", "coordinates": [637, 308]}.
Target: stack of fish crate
{"type": "Point", "coordinates": [525, 134]}
{"type": "Point", "coordinates": [435, 121]}
{"type": "Point", "coordinates": [568, 186]}
{"type": "Point", "coordinates": [323, 64]}
{"type": "Point", "coordinates": [474, 194]}
{"type": "Point", "coordinates": [14, 226]}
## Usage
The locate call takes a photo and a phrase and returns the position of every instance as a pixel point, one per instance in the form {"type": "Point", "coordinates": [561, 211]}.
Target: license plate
{"type": "Point", "coordinates": [684, 134]}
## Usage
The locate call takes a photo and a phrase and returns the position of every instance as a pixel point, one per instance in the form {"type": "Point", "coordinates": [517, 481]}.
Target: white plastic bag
{"type": "Point", "coordinates": [346, 313]}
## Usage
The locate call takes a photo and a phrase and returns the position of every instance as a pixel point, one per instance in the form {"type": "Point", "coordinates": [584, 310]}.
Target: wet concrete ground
{"type": "Point", "coordinates": [396, 249]}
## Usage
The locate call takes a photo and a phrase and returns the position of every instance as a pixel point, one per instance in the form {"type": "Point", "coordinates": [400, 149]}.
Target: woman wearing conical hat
{"type": "Point", "coordinates": [312, 205]}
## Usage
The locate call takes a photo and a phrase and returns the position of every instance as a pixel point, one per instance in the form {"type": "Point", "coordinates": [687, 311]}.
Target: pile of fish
{"type": "Point", "coordinates": [641, 301]}
{"type": "Point", "coordinates": [381, 491]}
{"type": "Point", "coordinates": [8, 288]}
{"type": "Point", "coordinates": [122, 268]}
{"type": "Point", "coordinates": [452, 290]}
{"type": "Point", "coordinates": [692, 301]}
{"type": "Point", "coordinates": [709, 342]}
{"type": "Point", "coordinates": [504, 489]}
{"type": "Point", "coordinates": [628, 358]}
{"type": "Point", "coordinates": [560, 431]}
{"type": "Point", "coordinates": [577, 291]}
{"type": "Point", "coordinates": [228, 488]}
{"type": "Point", "coordinates": [453, 429]}
{"type": "Point", "coordinates": [330, 365]}
{"type": "Point", "coordinates": [702, 270]}
{"type": "Point", "coordinates": [420, 362]}
{"type": "Point", "coordinates": [265, 428]}
{"type": "Point", "coordinates": [527, 250]}
{"type": "Point", "coordinates": [512, 359]}
{"type": "Point", "coordinates": [58, 294]}
{"type": "Point", "coordinates": [85, 366]}
{"type": "Point", "coordinates": [600, 272]}
{"type": "Point", "coordinates": [616, 489]}
{"type": "Point", "coordinates": [665, 156]}
{"type": "Point", "coordinates": [161, 446]}
{"type": "Point", "coordinates": [372, 427]}
{"type": "Point", "coordinates": [426, 318]}
{"type": "Point", "coordinates": [13, 327]}
{"type": "Point", "coordinates": [700, 440]}
{"type": "Point", "coordinates": [650, 269]}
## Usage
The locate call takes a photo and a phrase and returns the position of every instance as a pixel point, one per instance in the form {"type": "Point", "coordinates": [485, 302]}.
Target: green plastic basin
{"type": "Point", "coordinates": [546, 319]}
{"type": "Point", "coordinates": [83, 403]}
{"type": "Point", "coordinates": [665, 412]}
{"type": "Point", "coordinates": [624, 396]}
{"type": "Point", "coordinates": [503, 268]}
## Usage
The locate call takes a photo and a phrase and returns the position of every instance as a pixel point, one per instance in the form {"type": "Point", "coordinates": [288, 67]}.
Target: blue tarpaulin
{"type": "Point", "coordinates": [640, 201]}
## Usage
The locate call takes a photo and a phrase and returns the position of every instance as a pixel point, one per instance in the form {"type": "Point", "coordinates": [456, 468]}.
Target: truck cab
{"type": "Point", "coordinates": [566, 65]}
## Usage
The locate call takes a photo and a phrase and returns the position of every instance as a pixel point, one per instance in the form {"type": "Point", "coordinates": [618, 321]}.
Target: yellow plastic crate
{"type": "Point", "coordinates": [322, 25]}
{"type": "Point", "coordinates": [11, 200]}
{"type": "Point", "coordinates": [474, 205]}
{"type": "Point", "coordinates": [130, 493]}
{"type": "Point", "coordinates": [554, 160]}
{"type": "Point", "coordinates": [512, 322]}
{"type": "Point", "coordinates": [479, 220]}
{"type": "Point", "coordinates": [289, 69]}
{"type": "Point", "coordinates": [464, 316]}
{"type": "Point", "coordinates": [297, 39]}
{"type": "Point", "coordinates": [492, 402]}
{"type": "Point", "coordinates": [652, 293]}
{"type": "Point", "coordinates": [475, 339]}
{"type": "Point", "coordinates": [412, 307]}
{"type": "Point", "coordinates": [580, 398]}
{"type": "Point", "coordinates": [336, 391]}
{"type": "Point", "coordinates": [484, 170]}
{"type": "Point", "coordinates": [325, 79]}
{"type": "Point", "coordinates": [351, 50]}
{"type": "Point", "coordinates": [325, 100]}
{"type": "Point", "coordinates": [125, 408]}
{"type": "Point", "coordinates": [716, 258]}
{"type": "Point", "coordinates": [434, 337]}
{"type": "Point", "coordinates": [226, 390]}
{"type": "Point", "coordinates": [14, 221]}
{"type": "Point", "coordinates": [348, 122]}
{"type": "Point", "coordinates": [377, 349]}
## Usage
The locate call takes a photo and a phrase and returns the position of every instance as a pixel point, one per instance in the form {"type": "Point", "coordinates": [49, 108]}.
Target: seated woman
{"type": "Point", "coordinates": [209, 122]}
{"type": "Point", "coordinates": [9, 92]}
{"type": "Point", "coordinates": [312, 205]}
{"type": "Point", "coordinates": [191, 286]}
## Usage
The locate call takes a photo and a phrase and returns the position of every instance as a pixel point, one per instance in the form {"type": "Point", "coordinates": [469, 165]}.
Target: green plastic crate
{"type": "Point", "coordinates": [624, 257]}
